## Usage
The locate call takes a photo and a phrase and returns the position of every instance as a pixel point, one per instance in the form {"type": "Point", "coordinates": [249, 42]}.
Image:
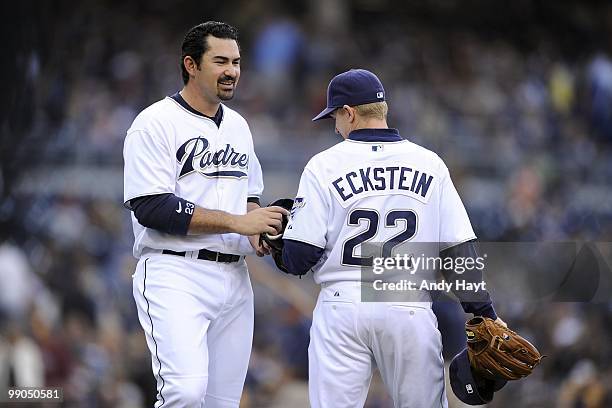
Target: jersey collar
{"type": "Point", "coordinates": [375, 135]}
{"type": "Point", "coordinates": [181, 101]}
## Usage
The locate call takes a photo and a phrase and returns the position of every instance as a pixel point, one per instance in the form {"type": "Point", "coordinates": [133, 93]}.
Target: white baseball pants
{"type": "Point", "coordinates": [348, 339]}
{"type": "Point", "coordinates": [198, 321]}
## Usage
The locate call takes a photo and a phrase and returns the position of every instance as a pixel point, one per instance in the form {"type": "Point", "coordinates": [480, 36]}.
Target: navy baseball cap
{"type": "Point", "coordinates": [468, 386]}
{"type": "Point", "coordinates": [352, 88]}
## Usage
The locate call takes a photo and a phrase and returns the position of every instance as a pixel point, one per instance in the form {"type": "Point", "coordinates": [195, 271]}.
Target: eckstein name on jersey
{"type": "Point", "coordinates": [388, 178]}
{"type": "Point", "coordinates": [195, 156]}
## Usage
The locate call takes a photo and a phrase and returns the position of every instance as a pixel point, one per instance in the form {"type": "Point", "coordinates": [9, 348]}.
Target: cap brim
{"type": "Point", "coordinates": [460, 377]}
{"type": "Point", "coordinates": [326, 113]}
{"type": "Point", "coordinates": [461, 373]}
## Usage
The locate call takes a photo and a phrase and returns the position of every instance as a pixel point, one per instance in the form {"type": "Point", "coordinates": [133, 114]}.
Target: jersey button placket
{"type": "Point", "coordinates": [219, 181]}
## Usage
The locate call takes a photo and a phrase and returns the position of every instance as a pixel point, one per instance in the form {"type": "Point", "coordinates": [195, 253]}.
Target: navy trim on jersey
{"type": "Point", "coordinates": [375, 135]}
{"type": "Point", "coordinates": [144, 289]}
{"type": "Point", "coordinates": [299, 257]}
{"type": "Point", "coordinates": [217, 118]}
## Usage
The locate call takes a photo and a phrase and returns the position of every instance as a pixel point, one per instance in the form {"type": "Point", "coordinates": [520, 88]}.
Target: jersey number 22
{"type": "Point", "coordinates": [372, 218]}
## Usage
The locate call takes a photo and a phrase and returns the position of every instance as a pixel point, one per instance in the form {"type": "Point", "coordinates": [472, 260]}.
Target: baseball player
{"type": "Point", "coordinates": [193, 182]}
{"type": "Point", "coordinates": [373, 186]}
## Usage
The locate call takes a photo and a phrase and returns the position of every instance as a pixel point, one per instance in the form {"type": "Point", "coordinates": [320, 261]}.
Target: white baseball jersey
{"type": "Point", "coordinates": [382, 192]}
{"type": "Point", "coordinates": [170, 149]}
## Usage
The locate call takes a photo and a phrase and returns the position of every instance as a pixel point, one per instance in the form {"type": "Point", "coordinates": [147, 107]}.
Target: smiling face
{"type": "Point", "coordinates": [218, 73]}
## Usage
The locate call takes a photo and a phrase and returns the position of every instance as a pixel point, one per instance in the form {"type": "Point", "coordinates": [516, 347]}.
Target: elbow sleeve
{"type": "Point", "coordinates": [164, 212]}
{"type": "Point", "coordinates": [300, 257]}
{"type": "Point", "coordinates": [478, 303]}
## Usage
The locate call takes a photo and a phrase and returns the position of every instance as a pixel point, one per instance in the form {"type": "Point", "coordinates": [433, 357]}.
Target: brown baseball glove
{"type": "Point", "coordinates": [496, 352]}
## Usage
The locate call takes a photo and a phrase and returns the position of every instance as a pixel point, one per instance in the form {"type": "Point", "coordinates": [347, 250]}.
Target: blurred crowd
{"type": "Point", "coordinates": [523, 121]}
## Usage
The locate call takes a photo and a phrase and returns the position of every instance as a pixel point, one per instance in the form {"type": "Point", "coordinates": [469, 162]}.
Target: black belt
{"type": "Point", "coordinates": [207, 255]}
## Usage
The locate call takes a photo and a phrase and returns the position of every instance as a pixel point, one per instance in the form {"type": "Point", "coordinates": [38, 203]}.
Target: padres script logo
{"type": "Point", "coordinates": [194, 155]}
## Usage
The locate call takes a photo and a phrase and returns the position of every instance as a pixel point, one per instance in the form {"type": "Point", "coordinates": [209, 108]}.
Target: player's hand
{"type": "Point", "coordinates": [260, 249]}
{"type": "Point", "coordinates": [267, 248]}
{"type": "Point", "coordinates": [267, 219]}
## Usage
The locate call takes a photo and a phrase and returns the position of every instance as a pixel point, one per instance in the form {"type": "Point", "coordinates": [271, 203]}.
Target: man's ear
{"type": "Point", "coordinates": [190, 65]}
{"type": "Point", "coordinates": [350, 112]}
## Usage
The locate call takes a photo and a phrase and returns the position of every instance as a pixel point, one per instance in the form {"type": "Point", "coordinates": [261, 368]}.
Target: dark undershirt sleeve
{"type": "Point", "coordinates": [300, 257]}
{"type": "Point", "coordinates": [163, 212]}
{"type": "Point", "coordinates": [254, 200]}
{"type": "Point", "coordinates": [478, 303]}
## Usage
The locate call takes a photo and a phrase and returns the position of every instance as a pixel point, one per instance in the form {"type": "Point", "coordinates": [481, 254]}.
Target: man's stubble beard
{"type": "Point", "coordinates": [225, 96]}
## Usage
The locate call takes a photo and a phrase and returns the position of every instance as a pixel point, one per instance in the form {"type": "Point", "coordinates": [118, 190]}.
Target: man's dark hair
{"type": "Point", "coordinates": [195, 44]}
